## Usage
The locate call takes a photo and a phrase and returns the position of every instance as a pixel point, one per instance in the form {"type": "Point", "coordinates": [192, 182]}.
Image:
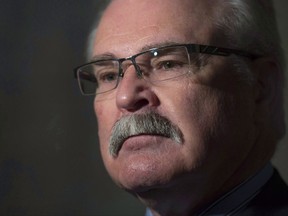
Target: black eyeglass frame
{"type": "Point", "coordinates": [191, 48]}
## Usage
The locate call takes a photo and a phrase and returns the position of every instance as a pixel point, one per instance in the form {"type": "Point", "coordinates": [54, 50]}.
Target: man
{"type": "Point", "coordinates": [189, 104]}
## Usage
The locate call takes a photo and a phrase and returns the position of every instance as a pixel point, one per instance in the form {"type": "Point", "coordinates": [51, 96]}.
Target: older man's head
{"type": "Point", "coordinates": [190, 120]}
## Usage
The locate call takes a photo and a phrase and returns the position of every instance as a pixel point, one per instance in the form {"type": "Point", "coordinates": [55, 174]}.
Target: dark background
{"type": "Point", "coordinates": [49, 157]}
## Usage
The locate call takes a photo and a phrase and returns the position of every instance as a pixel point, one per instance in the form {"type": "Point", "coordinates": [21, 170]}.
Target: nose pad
{"type": "Point", "coordinates": [137, 69]}
{"type": "Point", "coordinates": [121, 72]}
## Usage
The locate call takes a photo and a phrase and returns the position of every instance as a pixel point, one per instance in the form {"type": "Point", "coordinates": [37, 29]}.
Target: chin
{"type": "Point", "coordinates": [142, 172]}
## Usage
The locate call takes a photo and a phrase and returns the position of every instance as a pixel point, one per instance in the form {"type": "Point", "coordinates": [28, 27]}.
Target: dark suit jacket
{"type": "Point", "coordinates": [271, 201]}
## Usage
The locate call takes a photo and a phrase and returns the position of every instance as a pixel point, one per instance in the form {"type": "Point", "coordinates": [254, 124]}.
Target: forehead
{"type": "Point", "coordinates": [131, 24]}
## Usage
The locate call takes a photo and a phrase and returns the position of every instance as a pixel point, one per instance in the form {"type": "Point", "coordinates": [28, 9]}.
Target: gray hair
{"type": "Point", "coordinates": [251, 25]}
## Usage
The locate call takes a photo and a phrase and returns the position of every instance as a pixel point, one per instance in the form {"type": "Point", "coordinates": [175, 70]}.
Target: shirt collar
{"type": "Point", "coordinates": [233, 201]}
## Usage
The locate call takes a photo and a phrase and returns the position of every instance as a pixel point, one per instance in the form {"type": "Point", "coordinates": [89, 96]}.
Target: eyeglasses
{"type": "Point", "coordinates": [156, 64]}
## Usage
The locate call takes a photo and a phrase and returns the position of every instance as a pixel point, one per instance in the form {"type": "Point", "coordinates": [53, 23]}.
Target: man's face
{"type": "Point", "coordinates": [212, 108]}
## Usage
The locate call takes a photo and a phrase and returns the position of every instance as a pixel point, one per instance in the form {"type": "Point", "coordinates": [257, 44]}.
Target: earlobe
{"type": "Point", "coordinates": [267, 74]}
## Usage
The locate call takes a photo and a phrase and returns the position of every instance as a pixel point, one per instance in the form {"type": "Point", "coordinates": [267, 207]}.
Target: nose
{"type": "Point", "coordinates": [134, 92]}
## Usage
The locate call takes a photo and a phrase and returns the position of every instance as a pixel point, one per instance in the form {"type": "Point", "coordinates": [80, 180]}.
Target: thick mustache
{"type": "Point", "coordinates": [145, 123]}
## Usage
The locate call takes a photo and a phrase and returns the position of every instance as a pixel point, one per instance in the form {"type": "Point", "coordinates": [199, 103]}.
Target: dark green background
{"type": "Point", "coordinates": [49, 157]}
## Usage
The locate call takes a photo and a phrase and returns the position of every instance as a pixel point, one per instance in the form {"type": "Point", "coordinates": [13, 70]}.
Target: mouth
{"type": "Point", "coordinates": [136, 141]}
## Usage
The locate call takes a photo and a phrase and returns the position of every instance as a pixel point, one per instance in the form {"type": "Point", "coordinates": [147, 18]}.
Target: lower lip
{"type": "Point", "coordinates": [142, 142]}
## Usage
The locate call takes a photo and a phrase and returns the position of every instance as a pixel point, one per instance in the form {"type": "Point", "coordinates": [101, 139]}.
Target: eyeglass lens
{"type": "Point", "coordinates": [155, 65]}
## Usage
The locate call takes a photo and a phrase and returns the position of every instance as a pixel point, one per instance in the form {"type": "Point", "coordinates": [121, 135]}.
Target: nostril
{"type": "Point", "coordinates": [133, 93]}
{"type": "Point", "coordinates": [131, 97]}
{"type": "Point", "coordinates": [135, 96]}
{"type": "Point", "coordinates": [138, 105]}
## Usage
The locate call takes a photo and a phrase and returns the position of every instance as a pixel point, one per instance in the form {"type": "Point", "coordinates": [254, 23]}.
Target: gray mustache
{"type": "Point", "coordinates": [147, 123]}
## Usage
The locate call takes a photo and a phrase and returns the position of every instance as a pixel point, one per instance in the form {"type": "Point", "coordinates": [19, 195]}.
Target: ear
{"type": "Point", "coordinates": [267, 74]}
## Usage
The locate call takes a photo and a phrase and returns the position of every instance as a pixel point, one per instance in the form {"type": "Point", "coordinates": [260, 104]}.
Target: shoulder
{"type": "Point", "coordinates": [271, 200]}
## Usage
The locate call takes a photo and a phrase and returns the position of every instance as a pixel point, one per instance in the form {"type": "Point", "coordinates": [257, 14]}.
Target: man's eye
{"type": "Point", "coordinates": [169, 65]}
{"type": "Point", "coordinates": [108, 77]}
{"type": "Point", "coordinates": [169, 62]}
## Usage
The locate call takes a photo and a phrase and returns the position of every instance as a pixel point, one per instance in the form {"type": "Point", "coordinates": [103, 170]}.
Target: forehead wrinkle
{"type": "Point", "coordinates": [125, 40]}
{"type": "Point", "coordinates": [146, 47]}
{"type": "Point", "coordinates": [110, 34]}
{"type": "Point", "coordinates": [131, 44]}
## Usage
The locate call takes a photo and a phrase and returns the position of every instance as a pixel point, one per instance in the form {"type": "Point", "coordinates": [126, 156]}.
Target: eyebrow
{"type": "Point", "coordinates": [109, 55]}
{"type": "Point", "coordinates": [157, 45]}
{"type": "Point", "coordinates": [103, 56]}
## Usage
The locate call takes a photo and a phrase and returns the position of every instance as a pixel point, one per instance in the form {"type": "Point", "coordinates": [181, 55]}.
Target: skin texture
{"type": "Point", "coordinates": [216, 113]}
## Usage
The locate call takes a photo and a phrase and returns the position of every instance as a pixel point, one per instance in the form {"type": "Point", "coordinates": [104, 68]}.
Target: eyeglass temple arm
{"type": "Point", "coordinates": [195, 48]}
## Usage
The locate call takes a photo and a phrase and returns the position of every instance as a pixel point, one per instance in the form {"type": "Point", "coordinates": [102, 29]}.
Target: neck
{"type": "Point", "coordinates": [189, 196]}
{"type": "Point", "coordinates": [185, 196]}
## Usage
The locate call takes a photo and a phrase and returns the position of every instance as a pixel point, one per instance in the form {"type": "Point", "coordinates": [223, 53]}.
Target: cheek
{"type": "Point", "coordinates": [200, 121]}
{"type": "Point", "coordinates": [194, 109]}
{"type": "Point", "coordinates": [192, 113]}
{"type": "Point", "coordinates": [231, 126]}
{"type": "Point", "coordinates": [105, 118]}
{"type": "Point", "coordinates": [106, 113]}
{"type": "Point", "coordinates": [211, 121]}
